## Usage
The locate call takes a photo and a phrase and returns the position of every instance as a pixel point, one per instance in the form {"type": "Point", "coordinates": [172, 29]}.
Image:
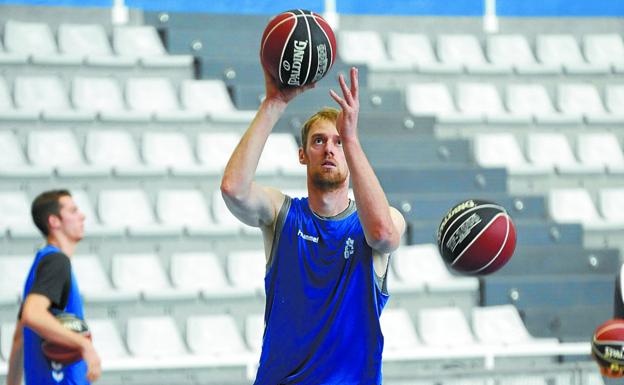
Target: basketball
{"type": "Point", "coordinates": [63, 354]}
{"type": "Point", "coordinates": [298, 48]}
{"type": "Point", "coordinates": [476, 237]}
{"type": "Point", "coordinates": [608, 347]}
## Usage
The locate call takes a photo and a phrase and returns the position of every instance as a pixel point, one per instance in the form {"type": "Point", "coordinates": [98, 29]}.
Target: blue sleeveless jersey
{"type": "Point", "coordinates": [322, 302]}
{"type": "Point", "coordinates": [37, 369]}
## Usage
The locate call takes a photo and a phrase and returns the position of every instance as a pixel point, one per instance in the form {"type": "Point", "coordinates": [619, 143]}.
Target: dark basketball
{"type": "Point", "coordinates": [608, 347]}
{"type": "Point", "coordinates": [63, 354]}
{"type": "Point", "coordinates": [476, 237]}
{"type": "Point", "coordinates": [298, 47]}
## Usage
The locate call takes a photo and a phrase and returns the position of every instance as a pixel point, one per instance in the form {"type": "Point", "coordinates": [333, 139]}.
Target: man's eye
{"type": "Point", "coordinates": [318, 141]}
{"type": "Point", "coordinates": [339, 142]}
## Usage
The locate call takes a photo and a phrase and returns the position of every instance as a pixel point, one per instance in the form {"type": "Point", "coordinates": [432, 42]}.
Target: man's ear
{"type": "Point", "coordinates": [54, 222]}
{"type": "Point", "coordinates": [302, 159]}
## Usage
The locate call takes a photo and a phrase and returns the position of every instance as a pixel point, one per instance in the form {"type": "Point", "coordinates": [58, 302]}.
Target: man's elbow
{"type": "Point", "coordinates": [384, 240]}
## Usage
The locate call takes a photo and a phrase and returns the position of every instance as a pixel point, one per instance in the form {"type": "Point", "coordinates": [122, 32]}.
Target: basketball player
{"type": "Point", "coordinates": [51, 288]}
{"type": "Point", "coordinates": [326, 257]}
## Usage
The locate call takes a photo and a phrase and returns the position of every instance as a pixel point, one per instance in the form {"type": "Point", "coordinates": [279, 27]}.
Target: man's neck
{"type": "Point", "coordinates": [328, 203]}
{"type": "Point", "coordinates": [64, 244]}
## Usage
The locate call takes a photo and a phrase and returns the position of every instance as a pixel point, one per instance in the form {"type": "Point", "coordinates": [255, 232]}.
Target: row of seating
{"type": "Point", "coordinates": [549, 152]}
{"type": "Point", "coordinates": [495, 332]}
{"type": "Point", "coordinates": [475, 102]}
{"type": "Point", "coordinates": [190, 275]}
{"type": "Point", "coordinates": [141, 100]}
{"type": "Point", "coordinates": [500, 54]}
{"type": "Point", "coordinates": [86, 44]}
{"type": "Point", "coordinates": [575, 205]}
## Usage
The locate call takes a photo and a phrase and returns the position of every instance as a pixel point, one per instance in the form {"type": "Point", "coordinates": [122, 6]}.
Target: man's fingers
{"type": "Point", "coordinates": [345, 90]}
{"type": "Point", "coordinates": [338, 99]}
{"type": "Point", "coordinates": [354, 83]}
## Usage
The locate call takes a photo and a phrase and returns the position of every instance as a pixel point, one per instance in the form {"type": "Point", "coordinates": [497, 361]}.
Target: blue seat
{"type": "Point", "coordinates": [418, 150]}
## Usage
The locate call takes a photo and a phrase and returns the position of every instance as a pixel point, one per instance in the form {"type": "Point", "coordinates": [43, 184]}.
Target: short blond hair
{"type": "Point", "coordinates": [326, 113]}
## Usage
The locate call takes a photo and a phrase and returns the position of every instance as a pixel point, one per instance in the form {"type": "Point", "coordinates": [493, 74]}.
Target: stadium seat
{"type": "Point", "coordinates": [92, 225]}
{"type": "Point", "coordinates": [600, 149]}
{"type": "Point", "coordinates": [107, 341]}
{"type": "Point", "coordinates": [117, 149]}
{"type": "Point", "coordinates": [444, 327]}
{"type": "Point", "coordinates": [575, 205]}
{"type": "Point", "coordinates": [416, 50]}
{"type": "Point", "coordinates": [7, 110]}
{"type": "Point", "coordinates": [171, 150]}
{"type": "Point", "coordinates": [103, 95]}
{"type": "Point", "coordinates": [611, 205]}
{"type": "Point", "coordinates": [15, 215]}
{"type": "Point", "coordinates": [398, 330]}
{"type": "Point", "coordinates": [13, 162]}
{"type": "Point", "coordinates": [563, 50]}
{"type": "Point", "coordinates": [143, 41]}
{"type": "Point", "coordinates": [155, 337]}
{"type": "Point", "coordinates": [7, 329]}
{"type": "Point", "coordinates": [144, 273]}
{"type": "Point", "coordinates": [584, 99]}
{"type": "Point", "coordinates": [552, 149]}
{"type": "Point", "coordinates": [603, 49]}
{"type": "Point", "coordinates": [246, 269]}
{"type": "Point", "coordinates": [515, 50]}
{"type": "Point", "coordinates": [483, 99]}
{"type": "Point", "coordinates": [131, 209]}
{"type": "Point", "coordinates": [58, 148]}
{"type": "Point", "coordinates": [367, 47]}
{"type": "Point", "coordinates": [13, 272]}
{"type": "Point", "coordinates": [158, 97]}
{"type": "Point", "coordinates": [203, 273]}
{"type": "Point", "coordinates": [12, 58]}
{"type": "Point", "coordinates": [533, 99]}
{"type": "Point", "coordinates": [421, 266]}
{"type": "Point", "coordinates": [214, 149]}
{"type": "Point", "coordinates": [95, 285]}
{"type": "Point", "coordinates": [502, 325]}
{"type": "Point", "coordinates": [280, 154]}
{"type": "Point", "coordinates": [254, 330]}
{"type": "Point", "coordinates": [503, 150]}
{"type": "Point", "coordinates": [465, 50]}
{"type": "Point", "coordinates": [614, 98]}
{"type": "Point", "coordinates": [211, 96]}
{"type": "Point", "coordinates": [215, 335]}
{"type": "Point", "coordinates": [434, 99]}
{"type": "Point", "coordinates": [188, 208]}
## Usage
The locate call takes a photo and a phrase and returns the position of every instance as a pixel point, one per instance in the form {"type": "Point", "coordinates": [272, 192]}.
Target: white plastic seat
{"type": "Point", "coordinates": [12, 58]}
{"type": "Point", "coordinates": [515, 50]}
{"type": "Point", "coordinates": [211, 97]}
{"type": "Point", "coordinates": [611, 205]}
{"type": "Point", "coordinates": [6, 103]}
{"type": "Point", "coordinates": [614, 98]}
{"type": "Point", "coordinates": [600, 149]}
{"type": "Point", "coordinates": [13, 272]}
{"type": "Point", "coordinates": [215, 335]}
{"type": "Point", "coordinates": [203, 273]}
{"type": "Point", "coordinates": [398, 330]}
{"type": "Point", "coordinates": [171, 150]}
{"type": "Point", "coordinates": [366, 47]}
{"type": "Point", "coordinates": [563, 50]}
{"type": "Point", "coordinates": [416, 50]}
{"type": "Point", "coordinates": [254, 332]}
{"type": "Point", "coordinates": [465, 50]}
{"type": "Point", "coordinates": [435, 99]}
{"type": "Point", "coordinates": [130, 208]}
{"type": "Point", "coordinates": [145, 273]}
{"type": "Point", "coordinates": [280, 154]}
{"type": "Point", "coordinates": [143, 41]}
{"type": "Point", "coordinates": [444, 327]}
{"type": "Point", "coordinates": [421, 265]}
{"type": "Point", "coordinates": [553, 149]}
{"type": "Point", "coordinates": [95, 285]}
{"type": "Point", "coordinates": [83, 39]}
{"type": "Point", "coordinates": [214, 149]}
{"type": "Point", "coordinates": [534, 99]}
{"type": "Point", "coordinates": [92, 226]}
{"type": "Point", "coordinates": [46, 95]}
{"type": "Point", "coordinates": [246, 269]}
{"type": "Point", "coordinates": [104, 96]}
{"type": "Point", "coordinates": [483, 99]}
{"type": "Point", "coordinates": [502, 325]}
{"type": "Point", "coordinates": [117, 149]}
{"type": "Point", "coordinates": [155, 337]}
{"type": "Point", "coordinates": [15, 215]}
{"type": "Point", "coordinates": [606, 48]}
{"type": "Point", "coordinates": [575, 205]}
{"type": "Point", "coordinates": [107, 340]}
{"type": "Point", "coordinates": [503, 150]}
{"type": "Point", "coordinates": [13, 162]}
{"type": "Point", "coordinates": [59, 149]}
{"type": "Point", "coordinates": [29, 38]}
{"type": "Point", "coordinates": [188, 208]}
{"type": "Point", "coordinates": [7, 329]}
{"type": "Point", "coordinates": [159, 97]}
{"type": "Point", "coordinates": [584, 98]}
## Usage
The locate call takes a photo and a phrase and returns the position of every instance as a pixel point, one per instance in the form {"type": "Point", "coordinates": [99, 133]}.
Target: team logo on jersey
{"type": "Point", "coordinates": [57, 371]}
{"type": "Point", "coordinates": [349, 249]}
{"type": "Point", "coordinates": [307, 237]}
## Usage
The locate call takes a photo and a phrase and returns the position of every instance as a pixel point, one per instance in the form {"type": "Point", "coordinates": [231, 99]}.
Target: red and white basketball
{"type": "Point", "coordinates": [298, 48]}
{"type": "Point", "coordinates": [476, 237]}
{"type": "Point", "coordinates": [608, 347]}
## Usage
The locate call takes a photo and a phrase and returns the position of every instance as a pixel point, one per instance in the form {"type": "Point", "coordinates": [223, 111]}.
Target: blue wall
{"type": "Point", "coordinates": [532, 8]}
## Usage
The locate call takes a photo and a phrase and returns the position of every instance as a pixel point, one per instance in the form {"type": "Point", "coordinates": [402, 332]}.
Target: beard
{"type": "Point", "coordinates": [329, 181]}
